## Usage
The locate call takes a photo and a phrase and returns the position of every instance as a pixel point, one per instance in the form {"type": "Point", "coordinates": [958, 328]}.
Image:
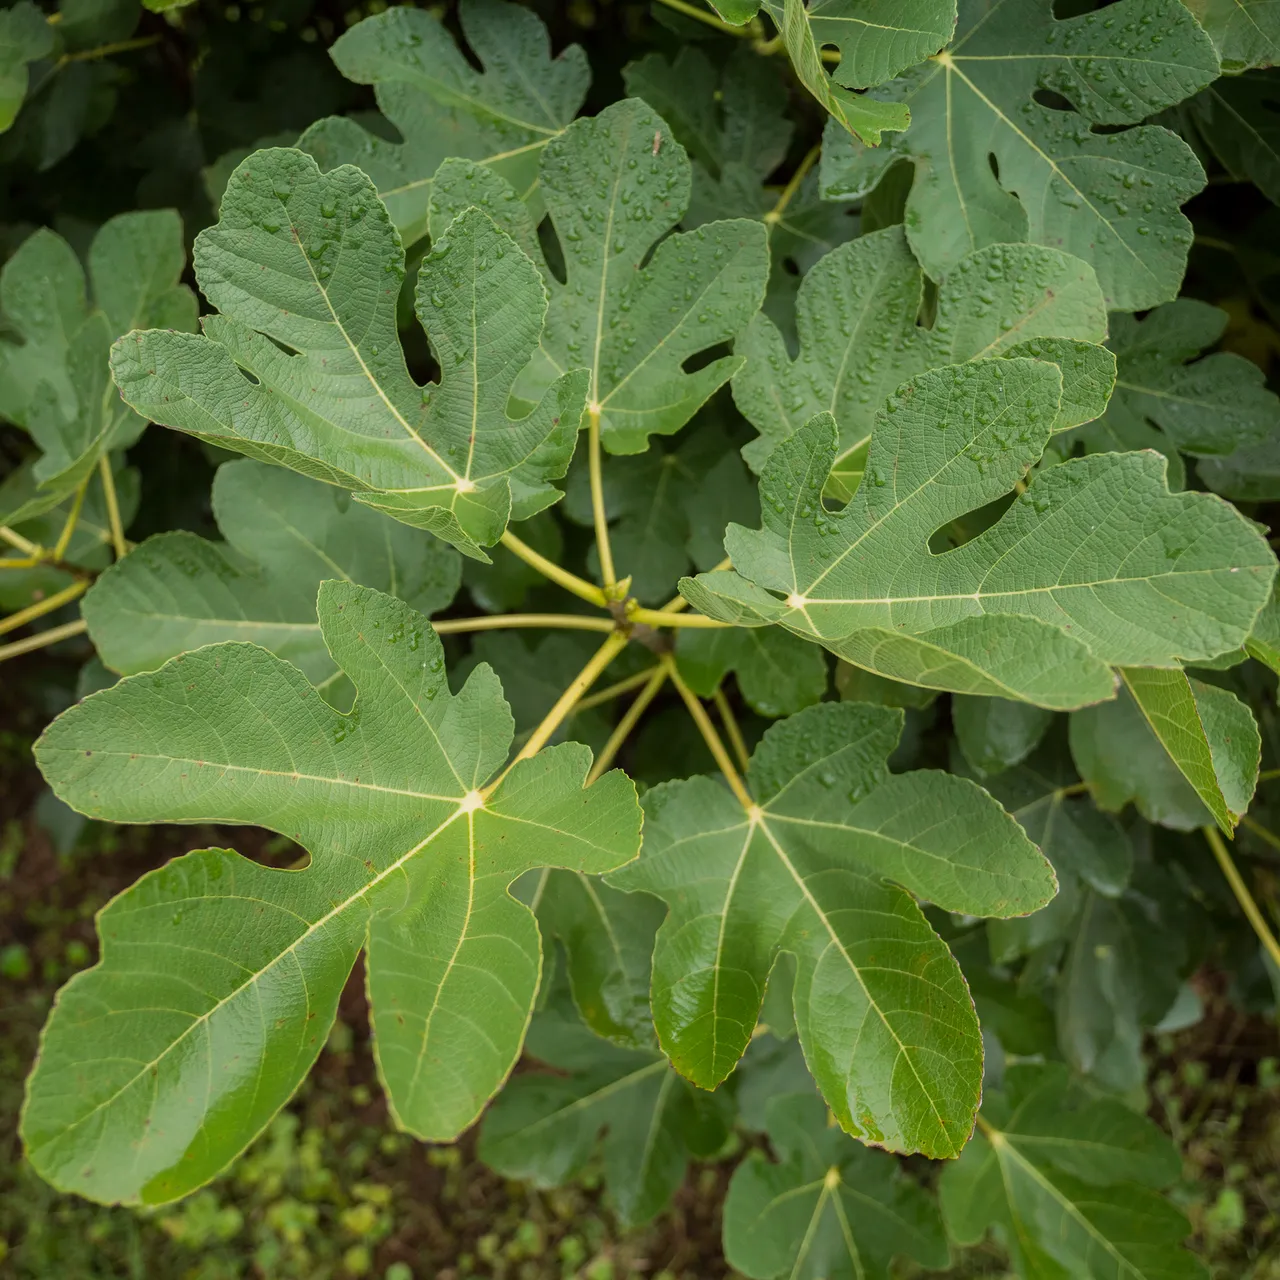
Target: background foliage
{"type": "Point", "coordinates": [1054, 225]}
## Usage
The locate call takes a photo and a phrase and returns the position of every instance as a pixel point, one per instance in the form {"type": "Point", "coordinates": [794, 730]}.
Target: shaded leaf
{"type": "Point", "coordinates": [995, 733]}
{"type": "Point", "coordinates": [608, 939]}
{"type": "Point", "coordinates": [502, 115]}
{"type": "Point", "coordinates": [1180, 749]}
{"type": "Point", "coordinates": [1237, 117]}
{"type": "Point", "coordinates": [1246, 33]}
{"type": "Point", "coordinates": [53, 379]}
{"type": "Point", "coordinates": [827, 1208]}
{"type": "Point", "coordinates": [285, 535]}
{"type": "Point", "coordinates": [1070, 1183]}
{"type": "Point", "coordinates": [544, 1128]}
{"type": "Point", "coordinates": [778, 674]}
{"type": "Point", "coordinates": [25, 36]}
{"type": "Point", "coordinates": [1168, 399]}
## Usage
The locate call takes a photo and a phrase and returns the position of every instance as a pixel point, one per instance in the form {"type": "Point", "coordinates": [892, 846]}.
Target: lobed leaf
{"type": "Point", "coordinates": [857, 314]}
{"type": "Point", "coordinates": [1096, 548]}
{"type": "Point", "coordinates": [501, 116]}
{"type": "Point", "coordinates": [53, 364]}
{"type": "Point", "coordinates": [994, 165]}
{"type": "Point", "coordinates": [303, 365]}
{"type": "Point", "coordinates": [631, 313]}
{"type": "Point", "coordinates": [544, 1128]}
{"type": "Point", "coordinates": [219, 978]}
{"type": "Point", "coordinates": [812, 869]}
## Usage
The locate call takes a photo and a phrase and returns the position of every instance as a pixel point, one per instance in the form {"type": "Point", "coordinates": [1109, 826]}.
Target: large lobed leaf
{"type": "Point", "coordinates": [1095, 563]}
{"type": "Point", "coordinates": [219, 978]}
{"type": "Point", "coordinates": [303, 365]}
{"type": "Point", "coordinates": [813, 869]}
{"type": "Point", "coordinates": [993, 164]}
{"type": "Point", "coordinates": [634, 314]}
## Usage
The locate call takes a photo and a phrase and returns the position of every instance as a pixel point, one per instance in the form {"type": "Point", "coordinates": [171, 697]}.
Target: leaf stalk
{"type": "Point", "coordinates": [1253, 913]}
{"type": "Point", "coordinates": [709, 735]}
{"type": "Point", "coordinates": [25, 545]}
{"type": "Point", "coordinates": [730, 722]}
{"type": "Point", "coordinates": [663, 618]}
{"type": "Point", "coordinates": [118, 542]}
{"type": "Point", "coordinates": [575, 585]}
{"type": "Point", "coordinates": [503, 621]}
{"type": "Point", "coordinates": [599, 516]}
{"type": "Point", "coordinates": [41, 607]}
{"type": "Point", "coordinates": [43, 639]}
{"type": "Point", "coordinates": [654, 680]}
{"type": "Point", "coordinates": [603, 656]}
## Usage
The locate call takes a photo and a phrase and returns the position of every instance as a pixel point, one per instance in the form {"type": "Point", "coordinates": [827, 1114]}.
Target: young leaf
{"type": "Point", "coordinates": [1210, 408]}
{"type": "Point", "coordinates": [778, 674]}
{"type": "Point", "coordinates": [614, 186]}
{"type": "Point", "coordinates": [544, 1128]}
{"type": "Point", "coordinates": [1097, 547]}
{"type": "Point", "coordinates": [219, 978]}
{"type": "Point", "coordinates": [1071, 1184]}
{"type": "Point", "coordinates": [1206, 733]}
{"type": "Point", "coordinates": [284, 534]}
{"type": "Point", "coordinates": [53, 380]}
{"type": "Point", "coordinates": [501, 116]}
{"type": "Point", "coordinates": [303, 366]}
{"type": "Point", "coordinates": [1111, 198]}
{"type": "Point", "coordinates": [827, 1208]}
{"type": "Point", "coordinates": [857, 314]}
{"type": "Point", "coordinates": [887, 1025]}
